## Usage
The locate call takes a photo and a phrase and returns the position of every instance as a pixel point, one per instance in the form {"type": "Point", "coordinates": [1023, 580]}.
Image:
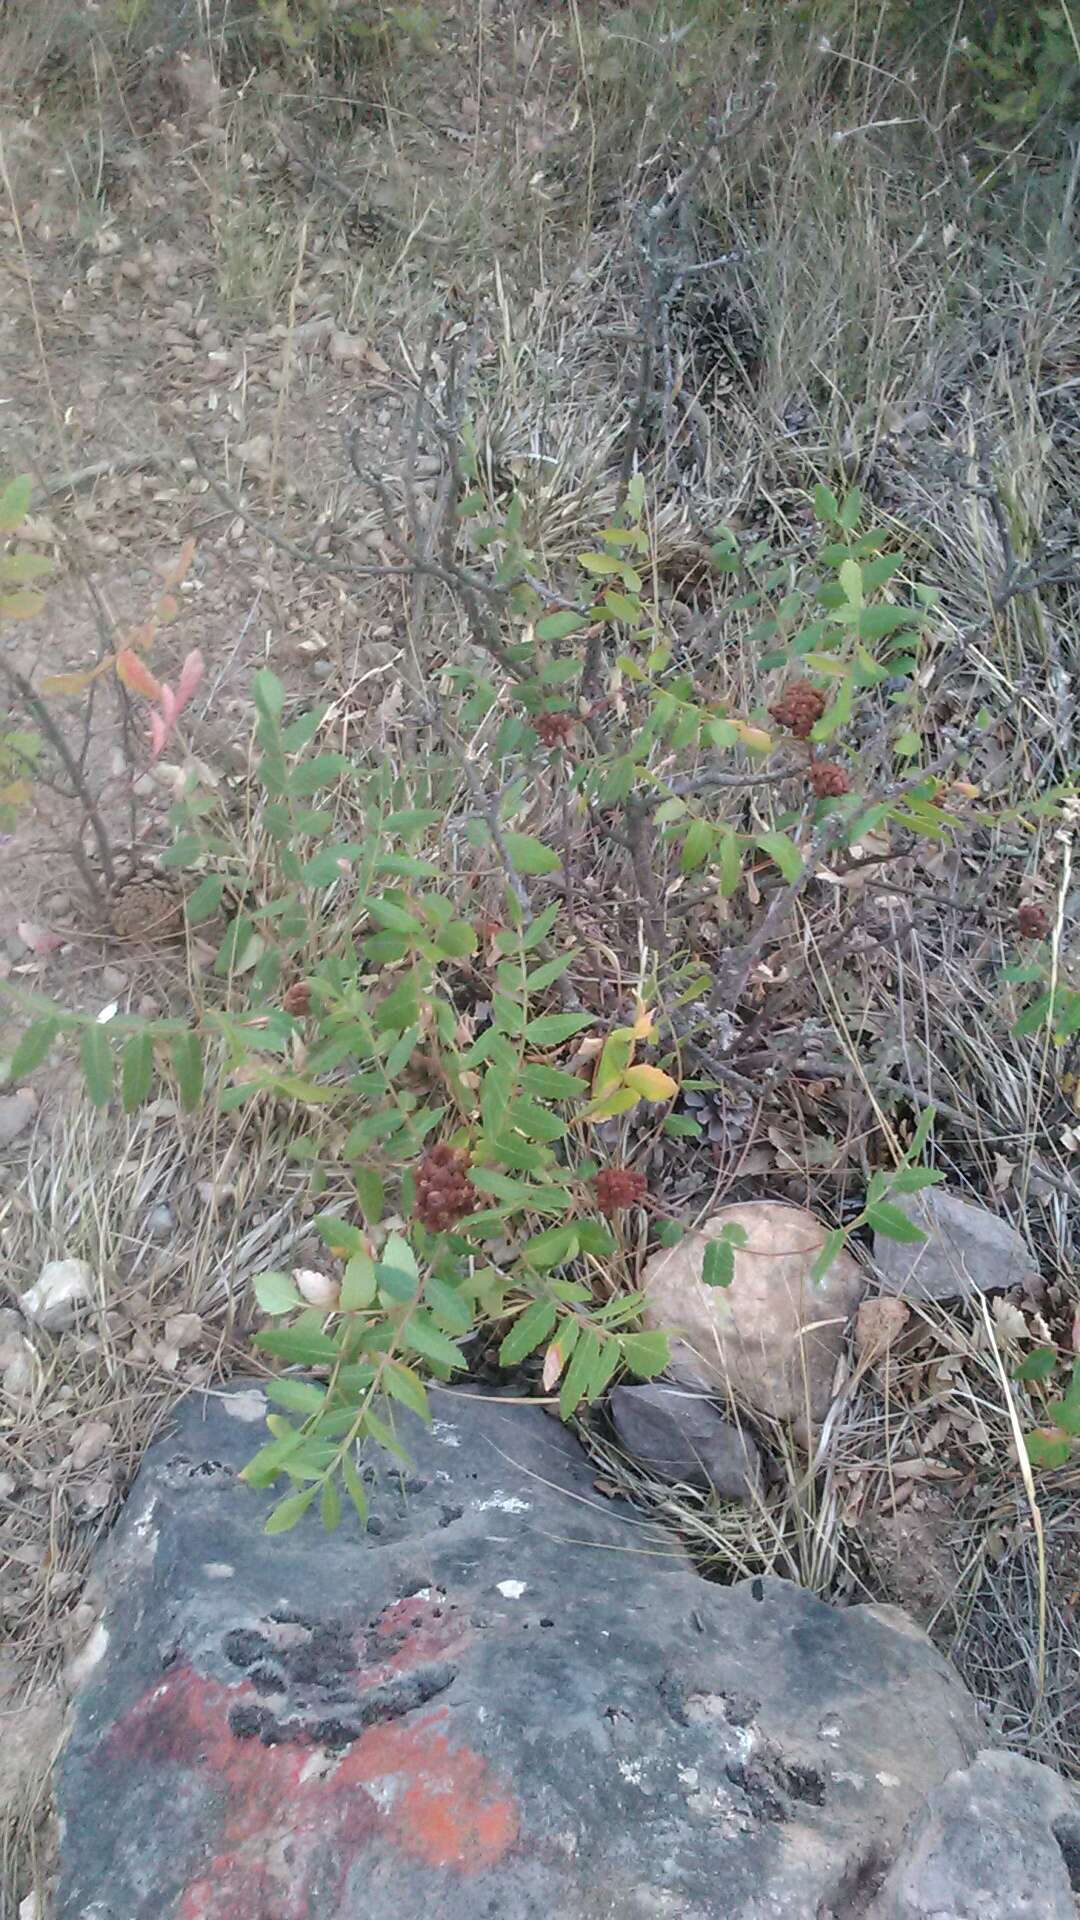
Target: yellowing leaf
{"type": "Point", "coordinates": [621, 1101]}
{"type": "Point", "coordinates": [651, 1083]}
{"type": "Point", "coordinates": [755, 738]}
{"type": "Point", "coordinates": [21, 606]}
{"type": "Point", "coordinates": [59, 683]}
{"type": "Point", "coordinates": [617, 1053]}
{"type": "Point", "coordinates": [644, 1022]}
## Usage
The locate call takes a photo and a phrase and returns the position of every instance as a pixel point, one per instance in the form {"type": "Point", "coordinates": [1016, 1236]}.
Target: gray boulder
{"type": "Point", "coordinates": [999, 1840]}
{"type": "Point", "coordinates": [509, 1699]}
{"type": "Point", "coordinates": [679, 1435]}
{"type": "Point", "coordinates": [967, 1250]}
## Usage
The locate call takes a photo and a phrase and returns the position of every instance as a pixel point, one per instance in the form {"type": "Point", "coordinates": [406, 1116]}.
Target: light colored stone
{"type": "Point", "coordinates": [317, 1288]}
{"type": "Point", "coordinates": [17, 1367]}
{"type": "Point", "coordinates": [967, 1250]}
{"type": "Point", "coordinates": [680, 1436]}
{"type": "Point", "coordinates": [772, 1339]}
{"type": "Point", "coordinates": [347, 349]}
{"type": "Point", "coordinates": [16, 1112]}
{"type": "Point", "coordinates": [256, 452]}
{"type": "Point", "coordinates": [999, 1840]}
{"type": "Point", "coordinates": [61, 1288]}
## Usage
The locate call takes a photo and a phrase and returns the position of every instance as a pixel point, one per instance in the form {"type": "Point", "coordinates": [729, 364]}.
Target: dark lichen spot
{"type": "Point", "coordinates": [805, 1783]}
{"type": "Point", "coordinates": [266, 1679]}
{"type": "Point", "coordinates": [250, 1722]}
{"type": "Point", "coordinates": [244, 1646]}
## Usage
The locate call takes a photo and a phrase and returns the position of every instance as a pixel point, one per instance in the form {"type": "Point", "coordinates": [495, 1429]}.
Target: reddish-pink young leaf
{"type": "Point", "coordinates": [159, 734]}
{"type": "Point", "coordinates": [190, 675]}
{"type": "Point", "coordinates": [136, 675]}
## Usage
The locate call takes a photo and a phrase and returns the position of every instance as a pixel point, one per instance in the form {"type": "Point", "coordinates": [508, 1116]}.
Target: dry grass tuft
{"type": "Point", "coordinates": [173, 1222]}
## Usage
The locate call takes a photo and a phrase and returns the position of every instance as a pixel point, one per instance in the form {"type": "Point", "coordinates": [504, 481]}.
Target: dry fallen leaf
{"type": "Point", "coordinates": [870, 848]}
{"type": "Point", "coordinates": [1010, 1322]}
{"type": "Point", "coordinates": [877, 1324]}
{"type": "Point", "coordinates": [98, 1495]}
{"type": "Point", "coordinates": [553, 1366]}
{"type": "Point", "coordinates": [183, 1330]}
{"type": "Point", "coordinates": [90, 1444]}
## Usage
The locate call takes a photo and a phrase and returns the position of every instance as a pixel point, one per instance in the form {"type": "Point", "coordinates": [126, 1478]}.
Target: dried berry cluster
{"type": "Point", "coordinates": [444, 1192]}
{"type": "Point", "coordinates": [147, 909]}
{"type": "Point", "coordinates": [799, 708]}
{"type": "Point", "coordinates": [828, 780]}
{"type": "Point", "coordinates": [619, 1187]}
{"type": "Point", "coordinates": [1033, 922]}
{"type": "Point", "coordinates": [555, 729]}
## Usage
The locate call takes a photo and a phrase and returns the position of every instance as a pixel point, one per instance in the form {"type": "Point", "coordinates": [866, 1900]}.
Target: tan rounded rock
{"type": "Point", "coordinates": [772, 1339]}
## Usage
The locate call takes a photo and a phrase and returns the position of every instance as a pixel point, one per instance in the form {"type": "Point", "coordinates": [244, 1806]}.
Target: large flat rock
{"type": "Point", "coordinates": [511, 1698]}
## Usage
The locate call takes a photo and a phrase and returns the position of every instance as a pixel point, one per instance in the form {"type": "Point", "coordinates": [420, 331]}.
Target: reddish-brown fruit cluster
{"type": "Point", "coordinates": [828, 780]}
{"type": "Point", "coordinates": [297, 998]}
{"type": "Point", "coordinates": [1032, 921]}
{"type": "Point", "coordinates": [619, 1187]}
{"type": "Point", "coordinates": [444, 1192]}
{"type": "Point", "coordinates": [799, 708]}
{"type": "Point", "coordinates": [555, 729]}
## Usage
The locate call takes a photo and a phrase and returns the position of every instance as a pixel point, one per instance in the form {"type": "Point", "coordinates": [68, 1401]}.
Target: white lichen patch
{"type": "Point", "coordinates": [249, 1406]}
{"type": "Point", "coordinates": [88, 1656]}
